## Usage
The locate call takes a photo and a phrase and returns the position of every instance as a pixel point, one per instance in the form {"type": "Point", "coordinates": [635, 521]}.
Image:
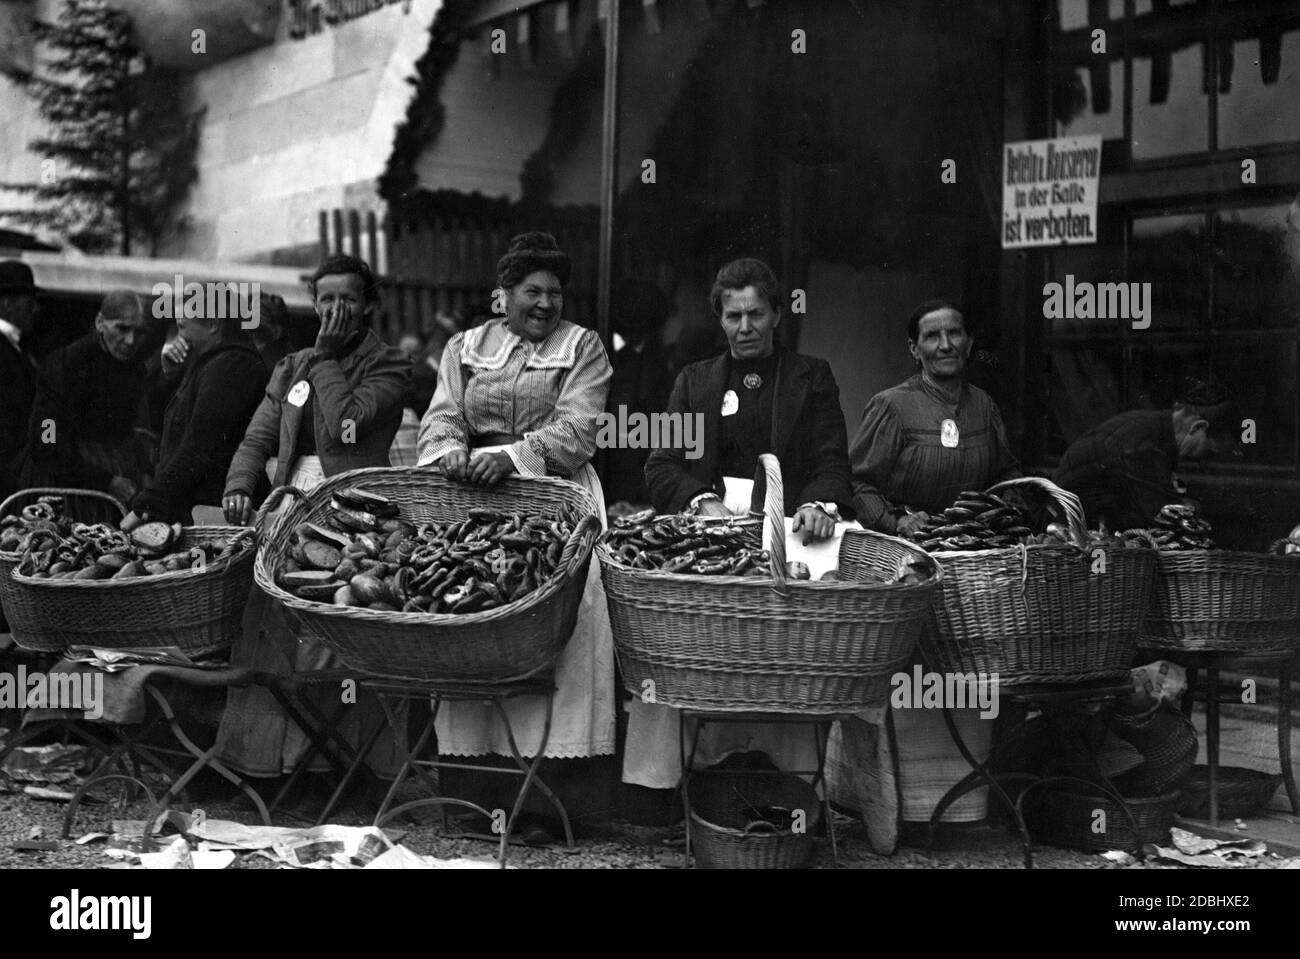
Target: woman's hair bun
{"type": "Point", "coordinates": [530, 252]}
{"type": "Point", "coordinates": [533, 241]}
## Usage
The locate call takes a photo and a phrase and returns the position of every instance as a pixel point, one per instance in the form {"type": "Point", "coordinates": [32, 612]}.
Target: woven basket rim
{"type": "Point", "coordinates": [189, 574]}
{"type": "Point", "coordinates": [605, 554]}
{"type": "Point", "coordinates": [1027, 547]}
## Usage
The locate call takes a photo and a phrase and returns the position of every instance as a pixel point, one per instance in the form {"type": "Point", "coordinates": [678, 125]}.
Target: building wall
{"type": "Point", "coordinates": [290, 129]}
{"type": "Point", "coordinates": [295, 128]}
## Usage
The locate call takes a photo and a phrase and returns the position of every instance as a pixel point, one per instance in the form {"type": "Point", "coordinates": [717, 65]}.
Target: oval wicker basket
{"type": "Point", "coordinates": [505, 644]}
{"type": "Point", "coordinates": [83, 505]}
{"type": "Point", "coordinates": [1038, 614]}
{"type": "Point", "coordinates": [738, 643]}
{"type": "Point", "coordinates": [197, 610]}
{"type": "Point", "coordinates": [1071, 819]}
{"type": "Point", "coordinates": [1242, 792]}
{"type": "Point", "coordinates": [1224, 601]}
{"type": "Point", "coordinates": [1167, 740]}
{"type": "Point", "coordinates": [724, 834]}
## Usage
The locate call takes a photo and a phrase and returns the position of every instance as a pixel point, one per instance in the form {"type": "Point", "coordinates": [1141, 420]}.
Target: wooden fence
{"type": "Point", "coordinates": [447, 265]}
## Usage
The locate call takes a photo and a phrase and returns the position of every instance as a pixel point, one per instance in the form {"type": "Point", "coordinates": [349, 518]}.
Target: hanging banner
{"type": "Point", "coordinates": [1049, 191]}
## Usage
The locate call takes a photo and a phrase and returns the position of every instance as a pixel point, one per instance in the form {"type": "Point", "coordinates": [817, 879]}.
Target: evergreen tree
{"type": "Point", "coordinates": [120, 151]}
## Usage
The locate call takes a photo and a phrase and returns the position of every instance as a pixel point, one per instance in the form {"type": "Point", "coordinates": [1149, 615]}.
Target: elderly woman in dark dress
{"type": "Point", "coordinates": [755, 398]}
{"type": "Point", "coordinates": [920, 444]}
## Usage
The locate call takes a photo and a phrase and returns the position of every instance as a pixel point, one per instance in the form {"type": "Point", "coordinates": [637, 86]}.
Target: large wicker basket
{"type": "Point", "coordinates": [505, 644]}
{"type": "Point", "coordinates": [83, 505]}
{"type": "Point", "coordinates": [745, 644]}
{"type": "Point", "coordinates": [198, 610]}
{"type": "Point", "coordinates": [1224, 601]}
{"type": "Point", "coordinates": [1039, 614]}
{"type": "Point", "coordinates": [724, 834]}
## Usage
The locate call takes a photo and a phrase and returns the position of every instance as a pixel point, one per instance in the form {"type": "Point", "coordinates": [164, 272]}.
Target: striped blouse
{"type": "Point", "coordinates": [494, 382]}
{"type": "Point", "coordinates": [898, 457]}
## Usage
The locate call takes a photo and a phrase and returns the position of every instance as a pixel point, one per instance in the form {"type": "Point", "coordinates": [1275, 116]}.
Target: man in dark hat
{"type": "Point", "coordinates": [89, 398]}
{"type": "Point", "coordinates": [18, 313]}
{"type": "Point", "coordinates": [1124, 469]}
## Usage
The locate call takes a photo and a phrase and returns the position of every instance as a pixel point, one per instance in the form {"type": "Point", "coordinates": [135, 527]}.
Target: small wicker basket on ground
{"type": "Point", "coordinates": [509, 643]}
{"type": "Point", "coordinates": [1242, 792]}
{"type": "Point", "coordinates": [754, 644]}
{"type": "Point", "coordinates": [728, 831]}
{"type": "Point", "coordinates": [1082, 821]}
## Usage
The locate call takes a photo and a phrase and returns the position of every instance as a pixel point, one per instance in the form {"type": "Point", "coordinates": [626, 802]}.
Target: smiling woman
{"type": "Point", "coordinates": [521, 395]}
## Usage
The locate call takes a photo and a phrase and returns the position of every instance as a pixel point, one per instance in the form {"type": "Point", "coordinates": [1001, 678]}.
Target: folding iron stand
{"type": "Point", "coordinates": [1211, 661]}
{"type": "Point", "coordinates": [1054, 702]}
{"type": "Point", "coordinates": [130, 745]}
{"type": "Point", "coordinates": [388, 691]}
{"type": "Point", "coordinates": [821, 728]}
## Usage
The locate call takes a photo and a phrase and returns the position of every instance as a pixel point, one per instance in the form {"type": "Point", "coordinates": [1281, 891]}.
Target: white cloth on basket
{"type": "Point", "coordinates": [582, 723]}
{"type": "Point", "coordinates": [652, 755]}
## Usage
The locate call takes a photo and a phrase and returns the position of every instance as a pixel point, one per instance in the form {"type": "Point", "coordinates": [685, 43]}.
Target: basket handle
{"type": "Point", "coordinates": [1069, 503]}
{"type": "Point", "coordinates": [37, 491]}
{"type": "Point", "coordinates": [272, 502]}
{"type": "Point", "coordinates": [761, 827]}
{"type": "Point", "coordinates": [581, 539]}
{"type": "Point", "coordinates": [767, 481]}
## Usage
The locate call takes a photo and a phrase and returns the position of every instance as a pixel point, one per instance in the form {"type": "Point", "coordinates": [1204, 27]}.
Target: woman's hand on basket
{"type": "Point", "coordinates": [131, 520]}
{"type": "Point", "coordinates": [454, 464]}
{"type": "Point", "coordinates": [488, 469]}
{"type": "Point", "coordinates": [912, 522]}
{"type": "Point", "coordinates": [817, 523]}
{"type": "Point", "coordinates": [238, 508]}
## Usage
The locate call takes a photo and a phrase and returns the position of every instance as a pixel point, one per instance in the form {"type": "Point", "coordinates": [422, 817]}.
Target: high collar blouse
{"type": "Point", "coordinates": [898, 457]}
{"type": "Point", "coordinates": [546, 394]}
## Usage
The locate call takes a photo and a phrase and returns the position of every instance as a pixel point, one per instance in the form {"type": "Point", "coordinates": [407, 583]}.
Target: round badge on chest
{"type": "Point", "coordinates": [752, 381]}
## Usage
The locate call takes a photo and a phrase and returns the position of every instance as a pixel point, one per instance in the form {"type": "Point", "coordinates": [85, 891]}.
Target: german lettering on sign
{"type": "Point", "coordinates": [1049, 191]}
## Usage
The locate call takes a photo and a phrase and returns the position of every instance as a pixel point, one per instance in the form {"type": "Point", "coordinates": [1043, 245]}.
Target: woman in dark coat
{"type": "Point", "coordinates": [753, 399]}
{"type": "Point", "coordinates": [756, 398]}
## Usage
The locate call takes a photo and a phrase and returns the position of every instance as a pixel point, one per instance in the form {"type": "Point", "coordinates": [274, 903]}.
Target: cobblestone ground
{"type": "Point", "coordinates": [600, 845]}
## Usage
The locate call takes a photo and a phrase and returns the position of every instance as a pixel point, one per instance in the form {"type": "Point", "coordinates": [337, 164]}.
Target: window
{"type": "Point", "coordinates": [1183, 88]}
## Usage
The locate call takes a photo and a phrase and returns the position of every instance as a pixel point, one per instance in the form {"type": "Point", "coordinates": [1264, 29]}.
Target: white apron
{"type": "Point", "coordinates": [582, 723]}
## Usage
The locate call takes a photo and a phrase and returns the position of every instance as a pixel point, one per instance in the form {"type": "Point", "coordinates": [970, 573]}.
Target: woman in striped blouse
{"type": "Point", "coordinates": [521, 395]}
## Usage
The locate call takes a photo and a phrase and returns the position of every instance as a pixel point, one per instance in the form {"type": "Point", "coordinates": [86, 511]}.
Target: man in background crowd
{"type": "Point", "coordinates": [222, 384]}
{"type": "Point", "coordinates": [18, 367]}
{"type": "Point", "coordinates": [1123, 470]}
{"type": "Point", "coordinates": [89, 398]}
{"type": "Point", "coordinates": [271, 335]}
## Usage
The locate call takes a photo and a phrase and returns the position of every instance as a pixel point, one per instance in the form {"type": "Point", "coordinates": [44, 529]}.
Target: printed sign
{"type": "Point", "coordinates": [1049, 192]}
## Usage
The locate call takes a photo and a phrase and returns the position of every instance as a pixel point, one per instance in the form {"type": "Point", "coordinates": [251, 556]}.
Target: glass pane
{"type": "Point", "coordinates": [1261, 373]}
{"type": "Point", "coordinates": [1074, 13]}
{"type": "Point", "coordinates": [1086, 264]}
{"type": "Point", "coordinates": [1179, 123]}
{"type": "Point", "coordinates": [1252, 284]}
{"type": "Point", "coordinates": [1083, 389]}
{"type": "Point", "coordinates": [1158, 374]}
{"type": "Point", "coordinates": [1076, 108]}
{"type": "Point", "coordinates": [1169, 252]}
{"type": "Point", "coordinates": [1255, 112]}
